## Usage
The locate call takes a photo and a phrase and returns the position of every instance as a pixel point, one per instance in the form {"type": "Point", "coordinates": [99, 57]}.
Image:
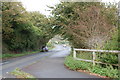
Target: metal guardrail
{"type": "Point", "coordinates": [94, 55]}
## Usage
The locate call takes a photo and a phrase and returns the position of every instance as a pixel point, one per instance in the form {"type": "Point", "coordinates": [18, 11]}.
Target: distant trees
{"type": "Point", "coordinates": [22, 30]}
{"type": "Point", "coordinates": [86, 24]}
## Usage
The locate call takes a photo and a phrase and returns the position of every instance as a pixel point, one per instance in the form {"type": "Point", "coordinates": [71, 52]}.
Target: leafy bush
{"type": "Point", "coordinates": [73, 64]}
{"type": "Point", "coordinates": [85, 55]}
{"type": "Point", "coordinates": [109, 58]}
{"type": "Point", "coordinates": [111, 44]}
{"type": "Point", "coordinates": [109, 71]}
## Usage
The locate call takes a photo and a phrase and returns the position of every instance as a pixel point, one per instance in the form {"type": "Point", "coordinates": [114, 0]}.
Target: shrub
{"type": "Point", "coordinates": [108, 71]}
{"type": "Point", "coordinates": [111, 44]}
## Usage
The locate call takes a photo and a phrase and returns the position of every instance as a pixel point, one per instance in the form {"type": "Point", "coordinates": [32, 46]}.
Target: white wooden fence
{"type": "Point", "coordinates": [94, 55]}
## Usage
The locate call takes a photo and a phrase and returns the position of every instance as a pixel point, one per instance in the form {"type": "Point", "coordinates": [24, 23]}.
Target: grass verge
{"type": "Point", "coordinates": [77, 65]}
{"type": "Point", "coordinates": [13, 55]}
{"type": "Point", "coordinates": [20, 74]}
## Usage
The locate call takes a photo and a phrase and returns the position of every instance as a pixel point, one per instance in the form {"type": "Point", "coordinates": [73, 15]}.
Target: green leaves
{"type": "Point", "coordinates": [22, 30]}
{"type": "Point", "coordinates": [108, 71]}
{"type": "Point", "coordinates": [85, 25]}
{"type": "Point", "coordinates": [112, 43]}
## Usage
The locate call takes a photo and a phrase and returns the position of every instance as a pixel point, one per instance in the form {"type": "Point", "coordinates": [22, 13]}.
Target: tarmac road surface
{"type": "Point", "coordinates": [43, 65]}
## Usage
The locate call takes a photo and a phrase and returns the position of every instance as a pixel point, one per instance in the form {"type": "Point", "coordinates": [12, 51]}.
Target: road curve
{"type": "Point", "coordinates": [44, 65]}
{"type": "Point", "coordinates": [20, 62]}
{"type": "Point", "coordinates": [53, 66]}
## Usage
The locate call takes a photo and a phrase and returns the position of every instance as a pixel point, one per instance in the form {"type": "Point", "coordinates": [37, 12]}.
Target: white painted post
{"type": "Point", "coordinates": [94, 58]}
{"type": "Point", "coordinates": [74, 54]}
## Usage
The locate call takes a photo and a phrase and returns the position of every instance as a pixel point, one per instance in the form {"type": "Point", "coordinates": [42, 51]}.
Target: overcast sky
{"type": "Point", "coordinates": [41, 5]}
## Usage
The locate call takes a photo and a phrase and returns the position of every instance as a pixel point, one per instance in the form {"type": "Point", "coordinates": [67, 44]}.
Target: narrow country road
{"type": "Point", "coordinates": [20, 62]}
{"type": "Point", "coordinates": [53, 66]}
{"type": "Point", "coordinates": [43, 65]}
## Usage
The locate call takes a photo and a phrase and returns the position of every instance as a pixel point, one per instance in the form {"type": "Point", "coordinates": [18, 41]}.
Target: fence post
{"type": "Point", "coordinates": [74, 53]}
{"type": "Point", "coordinates": [94, 55]}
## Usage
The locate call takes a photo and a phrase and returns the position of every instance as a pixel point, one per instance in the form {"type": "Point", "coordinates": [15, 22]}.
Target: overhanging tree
{"type": "Point", "coordinates": [86, 24]}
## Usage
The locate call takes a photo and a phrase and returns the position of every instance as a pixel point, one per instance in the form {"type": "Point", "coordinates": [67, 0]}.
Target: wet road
{"type": "Point", "coordinates": [44, 65]}
{"type": "Point", "coordinates": [53, 67]}
{"type": "Point", "coordinates": [21, 62]}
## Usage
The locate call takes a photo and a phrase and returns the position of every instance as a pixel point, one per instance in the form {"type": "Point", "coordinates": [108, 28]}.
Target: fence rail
{"type": "Point", "coordinates": [93, 50]}
{"type": "Point", "coordinates": [94, 55]}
